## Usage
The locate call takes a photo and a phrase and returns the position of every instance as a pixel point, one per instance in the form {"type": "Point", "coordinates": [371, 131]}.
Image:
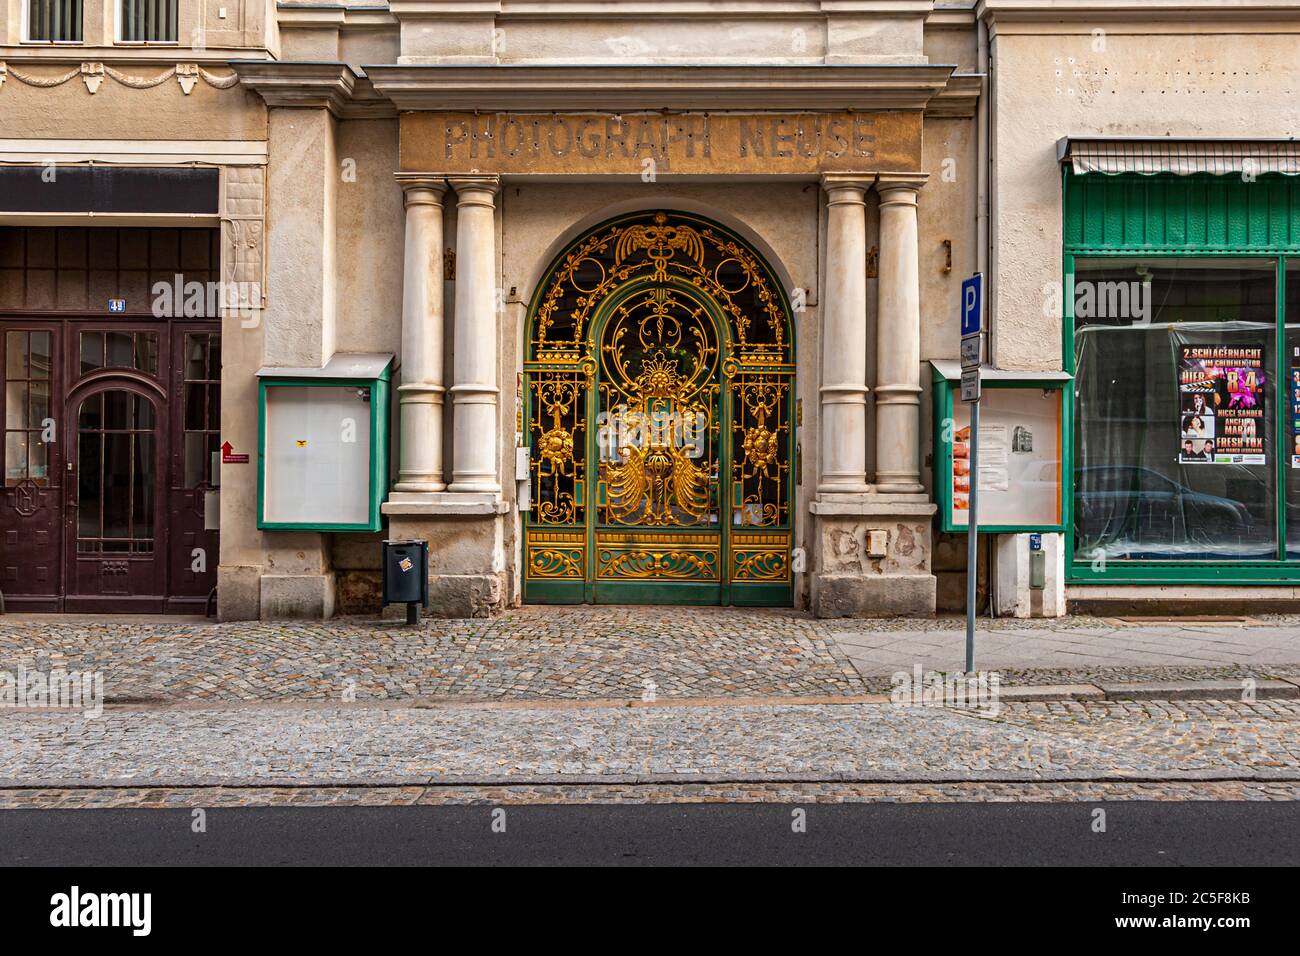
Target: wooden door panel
{"type": "Point", "coordinates": [194, 437]}
{"type": "Point", "coordinates": [31, 506]}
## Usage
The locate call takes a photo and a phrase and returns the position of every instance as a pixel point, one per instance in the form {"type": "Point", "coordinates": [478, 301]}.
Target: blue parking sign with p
{"type": "Point", "coordinates": [972, 304]}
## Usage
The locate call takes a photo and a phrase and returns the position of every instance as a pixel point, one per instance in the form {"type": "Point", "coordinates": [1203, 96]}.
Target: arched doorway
{"type": "Point", "coordinates": [659, 395]}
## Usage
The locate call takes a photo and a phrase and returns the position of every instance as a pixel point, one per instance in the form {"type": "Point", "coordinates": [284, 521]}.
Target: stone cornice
{"type": "Point", "coordinates": [959, 99]}
{"type": "Point", "coordinates": [1072, 15]}
{"type": "Point", "coordinates": [653, 9]}
{"type": "Point", "coordinates": [329, 85]}
{"type": "Point", "coordinates": [616, 87]}
{"type": "Point", "coordinates": [320, 15]}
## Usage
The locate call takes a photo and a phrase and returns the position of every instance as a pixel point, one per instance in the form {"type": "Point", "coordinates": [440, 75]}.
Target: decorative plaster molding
{"type": "Point", "coordinates": [618, 87]}
{"type": "Point", "coordinates": [93, 73]}
{"type": "Point", "coordinates": [243, 234]}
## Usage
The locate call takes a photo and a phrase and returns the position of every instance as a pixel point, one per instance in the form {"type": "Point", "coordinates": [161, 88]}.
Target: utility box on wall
{"type": "Point", "coordinates": [323, 440]}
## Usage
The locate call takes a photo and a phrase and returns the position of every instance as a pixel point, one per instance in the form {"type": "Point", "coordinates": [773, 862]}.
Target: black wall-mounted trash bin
{"type": "Point", "coordinates": [406, 576]}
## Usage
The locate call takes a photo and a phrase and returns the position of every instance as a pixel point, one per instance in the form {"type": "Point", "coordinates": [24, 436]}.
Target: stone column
{"type": "Point", "coordinates": [844, 338]}
{"type": "Point", "coordinates": [898, 338]}
{"type": "Point", "coordinates": [420, 394]}
{"type": "Point", "coordinates": [474, 390]}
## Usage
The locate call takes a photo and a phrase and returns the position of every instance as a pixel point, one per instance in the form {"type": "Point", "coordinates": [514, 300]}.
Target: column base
{"type": "Point", "coordinates": [419, 487]}
{"type": "Point", "coordinates": [873, 556]}
{"type": "Point", "coordinates": [444, 503]}
{"type": "Point", "coordinates": [900, 488]}
{"type": "Point", "coordinates": [474, 488]}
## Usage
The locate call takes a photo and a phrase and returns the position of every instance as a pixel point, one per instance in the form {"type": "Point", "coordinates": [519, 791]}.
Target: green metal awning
{"type": "Point", "coordinates": [1149, 155]}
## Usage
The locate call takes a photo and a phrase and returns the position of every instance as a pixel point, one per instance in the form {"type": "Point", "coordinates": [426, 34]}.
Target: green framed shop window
{"type": "Point", "coordinates": [1024, 439]}
{"type": "Point", "coordinates": [1182, 333]}
{"type": "Point", "coordinates": [323, 440]}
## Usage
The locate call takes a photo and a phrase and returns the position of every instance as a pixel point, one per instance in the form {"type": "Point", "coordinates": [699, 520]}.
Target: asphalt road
{"type": "Point", "coordinates": [971, 834]}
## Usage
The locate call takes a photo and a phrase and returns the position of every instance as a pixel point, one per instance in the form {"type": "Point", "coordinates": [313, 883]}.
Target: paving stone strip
{"type": "Point", "coordinates": [602, 653]}
{"type": "Point", "coordinates": [1032, 741]}
{"type": "Point", "coordinates": [217, 798]}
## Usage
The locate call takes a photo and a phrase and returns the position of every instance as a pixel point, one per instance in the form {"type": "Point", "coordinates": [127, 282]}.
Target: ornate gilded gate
{"type": "Point", "coordinates": [659, 388]}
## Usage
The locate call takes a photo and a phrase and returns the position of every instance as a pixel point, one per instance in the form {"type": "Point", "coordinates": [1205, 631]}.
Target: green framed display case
{"type": "Point", "coordinates": [1024, 449]}
{"type": "Point", "coordinates": [1200, 218]}
{"type": "Point", "coordinates": [322, 444]}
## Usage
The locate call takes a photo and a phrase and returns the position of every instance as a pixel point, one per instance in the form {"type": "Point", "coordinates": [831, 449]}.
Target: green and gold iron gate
{"type": "Point", "coordinates": [658, 398]}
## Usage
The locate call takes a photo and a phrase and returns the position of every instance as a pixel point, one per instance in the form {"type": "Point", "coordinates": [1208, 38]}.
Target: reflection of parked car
{"type": "Point", "coordinates": [1145, 507]}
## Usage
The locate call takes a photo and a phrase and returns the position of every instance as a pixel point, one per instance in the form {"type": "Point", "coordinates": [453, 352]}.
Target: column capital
{"type": "Point", "coordinates": [841, 183]}
{"type": "Point", "coordinates": [422, 187]}
{"type": "Point", "coordinates": [475, 190]}
{"type": "Point", "coordinates": [895, 187]}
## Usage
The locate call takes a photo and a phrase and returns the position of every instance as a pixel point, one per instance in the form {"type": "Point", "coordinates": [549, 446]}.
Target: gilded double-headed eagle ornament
{"type": "Point", "coordinates": [655, 482]}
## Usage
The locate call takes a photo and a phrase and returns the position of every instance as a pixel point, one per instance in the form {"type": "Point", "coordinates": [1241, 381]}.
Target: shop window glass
{"type": "Point", "coordinates": [1291, 409]}
{"type": "Point", "coordinates": [1175, 409]}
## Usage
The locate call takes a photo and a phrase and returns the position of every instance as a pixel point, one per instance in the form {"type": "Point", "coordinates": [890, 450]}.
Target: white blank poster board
{"type": "Point", "coordinates": [317, 455]}
{"type": "Point", "coordinates": [1020, 458]}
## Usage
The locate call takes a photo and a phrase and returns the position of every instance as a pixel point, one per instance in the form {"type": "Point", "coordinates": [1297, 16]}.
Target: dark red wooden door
{"type": "Point", "coordinates": [31, 507]}
{"type": "Point", "coordinates": [194, 440]}
{"type": "Point", "coordinates": [110, 430]}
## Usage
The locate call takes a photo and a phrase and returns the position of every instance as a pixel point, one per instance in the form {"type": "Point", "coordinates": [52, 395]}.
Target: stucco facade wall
{"type": "Point", "coordinates": [1197, 80]}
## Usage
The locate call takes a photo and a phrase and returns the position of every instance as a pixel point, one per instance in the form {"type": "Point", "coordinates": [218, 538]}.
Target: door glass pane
{"type": "Point", "coordinates": [137, 350]}
{"type": "Point", "coordinates": [202, 401]}
{"type": "Point", "coordinates": [15, 404]}
{"type": "Point", "coordinates": [39, 404]}
{"type": "Point", "coordinates": [89, 456]}
{"type": "Point", "coordinates": [41, 355]}
{"type": "Point", "coordinates": [92, 351]}
{"type": "Point", "coordinates": [117, 484]}
{"type": "Point", "coordinates": [15, 457]}
{"type": "Point", "coordinates": [117, 410]}
{"type": "Point", "coordinates": [116, 474]}
{"type": "Point", "coordinates": [1175, 409]}
{"type": "Point", "coordinates": [15, 355]}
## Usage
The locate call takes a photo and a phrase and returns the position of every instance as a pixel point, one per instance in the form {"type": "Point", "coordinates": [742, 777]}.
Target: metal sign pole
{"type": "Point", "coordinates": [972, 535]}
{"type": "Point", "coordinates": [972, 347]}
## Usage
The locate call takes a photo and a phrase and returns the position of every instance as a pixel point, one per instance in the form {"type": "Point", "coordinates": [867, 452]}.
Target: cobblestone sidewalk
{"type": "Point", "coordinates": [540, 653]}
{"type": "Point", "coordinates": [393, 745]}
